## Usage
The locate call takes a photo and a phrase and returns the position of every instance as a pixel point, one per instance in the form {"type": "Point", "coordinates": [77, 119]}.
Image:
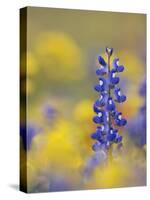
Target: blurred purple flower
{"type": "Point", "coordinates": [95, 160]}
{"type": "Point", "coordinates": [49, 112]}
{"type": "Point", "coordinates": [59, 183]}
{"type": "Point", "coordinates": [27, 133]}
{"type": "Point", "coordinates": [137, 125]}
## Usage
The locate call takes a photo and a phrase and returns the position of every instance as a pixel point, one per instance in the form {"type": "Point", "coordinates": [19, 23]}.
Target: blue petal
{"type": "Point", "coordinates": [96, 109]}
{"type": "Point", "coordinates": [110, 104]}
{"type": "Point", "coordinates": [101, 61]}
{"type": "Point", "coordinates": [101, 71]}
{"type": "Point", "coordinates": [123, 122]}
{"type": "Point", "coordinates": [96, 136]}
{"type": "Point", "coordinates": [112, 133]}
{"type": "Point", "coordinates": [116, 66]}
{"type": "Point", "coordinates": [120, 68]}
{"type": "Point", "coordinates": [119, 98]}
{"type": "Point", "coordinates": [102, 100]}
{"type": "Point", "coordinates": [97, 88]}
{"type": "Point", "coordinates": [113, 80]}
{"type": "Point", "coordinates": [111, 137]}
{"type": "Point", "coordinates": [98, 103]}
{"type": "Point", "coordinates": [122, 99]}
{"type": "Point", "coordinates": [96, 119]}
{"type": "Point", "coordinates": [101, 87]}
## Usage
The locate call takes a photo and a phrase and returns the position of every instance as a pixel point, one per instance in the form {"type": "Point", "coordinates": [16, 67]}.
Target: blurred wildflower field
{"type": "Point", "coordinates": [62, 56]}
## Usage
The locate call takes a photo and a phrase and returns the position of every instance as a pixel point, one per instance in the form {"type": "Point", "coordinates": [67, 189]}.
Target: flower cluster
{"type": "Point", "coordinates": [107, 117]}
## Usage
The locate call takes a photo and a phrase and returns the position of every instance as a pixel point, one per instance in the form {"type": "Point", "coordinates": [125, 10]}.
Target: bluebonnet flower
{"type": "Point", "coordinates": [116, 66]}
{"type": "Point", "coordinates": [113, 78]}
{"type": "Point", "coordinates": [119, 120]}
{"type": "Point", "coordinates": [120, 98]}
{"type": "Point", "coordinates": [108, 118]}
{"type": "Point", "coordinates": [110, 104]}
{"type": "Point", "coordinates": [101, 117]}
{"type": "Point", "coordinates": [101, 87]}
{"type": "Point", "coordinates": [112, 134]}
{"type": "Point", "coordinates": [102, 100]}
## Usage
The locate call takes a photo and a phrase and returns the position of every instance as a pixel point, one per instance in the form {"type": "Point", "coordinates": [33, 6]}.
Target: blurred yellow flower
{"type": "Point", "coordinates": [32, 64]}
{"type": "Point", "coordinates": [112, 175]}
{"type": "Point", "coordinates": [83, 111]}
{"type": "Point", "coordinates": [59, 56]}
{"type": "Point", "coordinates": [55, 149]}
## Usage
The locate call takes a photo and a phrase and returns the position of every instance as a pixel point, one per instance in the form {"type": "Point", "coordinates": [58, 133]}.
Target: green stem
{"type": "Point", "coordinates": [109, 115]}
{"type": "Point", "coordinates": [109, 90]}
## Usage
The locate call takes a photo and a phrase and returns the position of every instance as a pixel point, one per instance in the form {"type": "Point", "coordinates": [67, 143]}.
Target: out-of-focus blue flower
{"type": "Point", "coordinates": [105, 108]}
{"type": "Point", "coordinates": [95, 160]}
{"type": "Point", "coordinates": [137, 129]}
{"type": "Point", "coordinates": [49, 112]}
{"type": "Point", "coordinates": [27, 133]}
{"type": "Point", "coordinates": [137, 126]}
{"type": "Point", "coordinates": [59, 183]}
{"type": "Point", "coordinates": [142, 90]}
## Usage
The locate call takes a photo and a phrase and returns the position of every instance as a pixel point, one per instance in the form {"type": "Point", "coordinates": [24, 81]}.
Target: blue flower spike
{"type": "Point", "coordinates": [107, 117]}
